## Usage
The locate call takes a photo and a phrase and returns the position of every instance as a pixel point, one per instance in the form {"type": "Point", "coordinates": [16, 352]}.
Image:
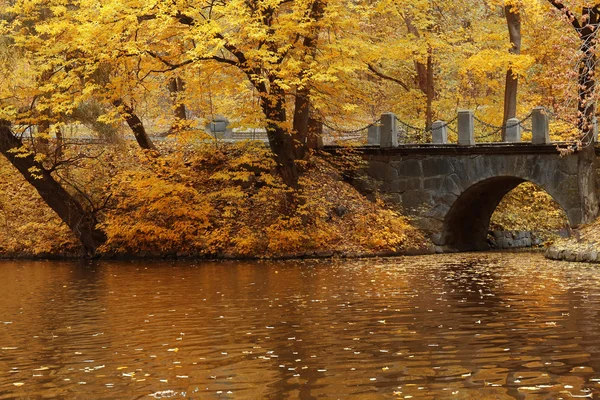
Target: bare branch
{"type": "Point", "coordinates": [387, 77]}
{"type": "Point", "coordinates": [558, 4]}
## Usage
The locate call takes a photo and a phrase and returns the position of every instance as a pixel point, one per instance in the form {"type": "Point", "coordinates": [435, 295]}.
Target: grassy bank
{"type": "Point", "coordinates": [203, 200]}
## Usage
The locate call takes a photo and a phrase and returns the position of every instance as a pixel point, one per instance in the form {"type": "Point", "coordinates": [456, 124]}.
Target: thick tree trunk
{"type": "Point", "coordinates": [77, 218]}
{"type": "Point", "coordinates": [302, 104]}
{"type": "Point", "coordinates": [513, 22]}
{"type": "Point", "coordinates": [301, 117]}
{"type": "Point", "coordinates": [135, 124]}
{"type": "Point", "coordinates": [586, 29]}
{"type": "Point", "coordinates": [586, 109]}
{"type": "Point", "coordinates": [280, 140]}
{"type": "Point", "coordinates": [176, 87]}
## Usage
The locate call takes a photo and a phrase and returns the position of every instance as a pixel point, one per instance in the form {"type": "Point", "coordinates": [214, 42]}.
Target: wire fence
{"type": "Point", "coordinates": [491, 131]}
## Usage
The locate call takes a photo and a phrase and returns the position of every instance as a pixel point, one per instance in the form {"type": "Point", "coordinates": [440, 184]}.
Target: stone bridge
{"type": "Point", "coordinates": [452, 190]}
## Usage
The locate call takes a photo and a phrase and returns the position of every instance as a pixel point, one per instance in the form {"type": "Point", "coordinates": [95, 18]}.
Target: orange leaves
{"type": "Point", "coordinates": [154, 214]}
{"type": "Point", "coordinates": [227, 200]}
{"type": "Point", "coordinates": [27, 225]}
{"type": "Point", "coordinates": [529, 208]}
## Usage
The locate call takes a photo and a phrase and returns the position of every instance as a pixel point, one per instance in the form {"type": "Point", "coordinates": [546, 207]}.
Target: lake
{"type": "Point", "coordinates": [465, 326]}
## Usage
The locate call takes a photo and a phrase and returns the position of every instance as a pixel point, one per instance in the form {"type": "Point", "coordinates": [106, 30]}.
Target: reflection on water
{"type": "Point", "coordinates": [470, 326]}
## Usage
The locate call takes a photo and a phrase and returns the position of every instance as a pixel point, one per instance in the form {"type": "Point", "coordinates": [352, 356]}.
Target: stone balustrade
{"type": "Point", "coordinates": [387, 134]}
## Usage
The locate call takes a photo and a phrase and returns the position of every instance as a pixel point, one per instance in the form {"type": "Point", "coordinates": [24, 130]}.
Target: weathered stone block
{"type": "Point", "coordinates": [373, 135]}
{"type": "Point", "coordinates": [446, 198]}
{"type": "Point", "coordinates": [402, 185]}
{"type": "Point", "coordinates": [437, 167]}
{"type": "Point", "coordinates": [513, 130]}
{"type": "Point", "coordinates": [436, 238]}
{"type": "Point", "coordinates": [410, 168]}
{"type": "Point", "coordinates": [382, 171]}
{"type": "Point", "coordinates": [416, 200]}
{"type": "Point", "coordinates": [385, 186]}
{"type": "Point", "coordinates": [466, 125]}
{"type": "Point", "coordinates": [439, 132]}
{"type": "Point", "coordinates": [388, 132]}
{"type": "Point", "coordinates": [568, 164]}
{"type": "Point", "coordinates": [414, 183]}
{"type": "Point", "coordinates": [435, 184]}
{"type": "Point", "coordinates": [451, 185]}
{"type": "Point", "coordinates": [552, 253]}
{"type": "Point", "coordinates": [540, 126]}
{"type": "Point", "coordinates": [398, 186]}
{"type": "Point", "coordinates": [439, 212]}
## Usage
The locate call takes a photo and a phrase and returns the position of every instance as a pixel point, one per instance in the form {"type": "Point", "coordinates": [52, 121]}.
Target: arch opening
{"type": "Point", "coordinates": [467, 223]}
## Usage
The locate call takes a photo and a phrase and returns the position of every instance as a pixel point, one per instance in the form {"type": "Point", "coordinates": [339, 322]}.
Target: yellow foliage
{"type": "Point", "coordinates": [154, 214]}
{"type": "Point", "coordinates": [212, 200]}
{"type": "Point", "coordinates": [27, 225]}
{"type": "Point", "coordinates": [529, 208]}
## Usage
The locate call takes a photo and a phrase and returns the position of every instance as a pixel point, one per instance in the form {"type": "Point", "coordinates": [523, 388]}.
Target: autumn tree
{"type": "Point", "coordinates": [513, 23]}
{"type": "Point", "coordinates": [81, 220]}
{"type": "Point", "coordinates": [586, 28]}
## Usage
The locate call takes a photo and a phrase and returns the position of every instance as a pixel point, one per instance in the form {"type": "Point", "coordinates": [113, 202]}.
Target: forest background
{"type": "Point", "coordinates": [300, 69]}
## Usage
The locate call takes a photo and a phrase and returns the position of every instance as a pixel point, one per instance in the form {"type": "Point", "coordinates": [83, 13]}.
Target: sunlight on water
{"type": "Point", "coordinates": [470, 326]}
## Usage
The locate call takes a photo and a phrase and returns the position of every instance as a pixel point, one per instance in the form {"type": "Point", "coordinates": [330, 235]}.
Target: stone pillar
{"type": "Point", "coordinates": [373, 134]}
{"type": "Point", "coordinates": [540, 126]}
{"type": "Point", "coordinates": [388, 133]}
{"type": "Point", "coordinates": [439, 133]}
{"type": "Point", "coordinates": [513, 130]}
{"type": "Point", "coordinates": [466, 124]}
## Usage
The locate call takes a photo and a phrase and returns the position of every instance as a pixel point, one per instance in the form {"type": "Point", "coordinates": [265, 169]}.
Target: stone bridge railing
{"type": "Point", "coordinates": [386, 132]}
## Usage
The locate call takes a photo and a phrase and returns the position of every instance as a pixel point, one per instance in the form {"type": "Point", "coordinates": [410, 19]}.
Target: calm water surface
{"type": "Point", "coordinates": [470, 326]}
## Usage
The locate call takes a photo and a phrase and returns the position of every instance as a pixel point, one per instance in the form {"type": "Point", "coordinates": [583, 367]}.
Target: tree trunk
{"type": "Point", "coordinates": [135, 124]}
{"type": "Point", "coordinates": [77, 218]}
{"type": "Point", "coordinates": [176, 87]}
{"type": "Point", "coordinates": [586, 108]}
{"type": "Point", "coordinates": [425, 76]}
{"type": "Point", "coordinates": [513, 22]}
{"type": "Point", "coordinates": [302, 103]}
{"type": "Point", "coordinates": [58, 150]}
{"type": "Point", "coordinates": [430, 91]}
{"type": "Point", "coordinates": [586, 105]}
{"type": "Point", "coordinates": [301, 117]}
{"type": "Point", "coordinates": [315, 133]}
{"type": "Point", "coordinates": [280, 140]}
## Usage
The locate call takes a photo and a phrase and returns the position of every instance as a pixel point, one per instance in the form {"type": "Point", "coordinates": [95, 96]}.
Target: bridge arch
{"type": "Point", "coordinates": [451, 192]}
{"type": "Point", "coordinates": [467, 222]}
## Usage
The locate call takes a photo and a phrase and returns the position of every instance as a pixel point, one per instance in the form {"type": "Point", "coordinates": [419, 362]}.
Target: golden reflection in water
{"type": "Point", "coordinates": [488, 325]}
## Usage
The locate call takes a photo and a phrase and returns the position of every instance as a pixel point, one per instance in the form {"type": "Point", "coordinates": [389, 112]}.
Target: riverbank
{"type": "Point", "coordinates": [582, 246]}
{"type": "Point", "coordinates": [210, 202]}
